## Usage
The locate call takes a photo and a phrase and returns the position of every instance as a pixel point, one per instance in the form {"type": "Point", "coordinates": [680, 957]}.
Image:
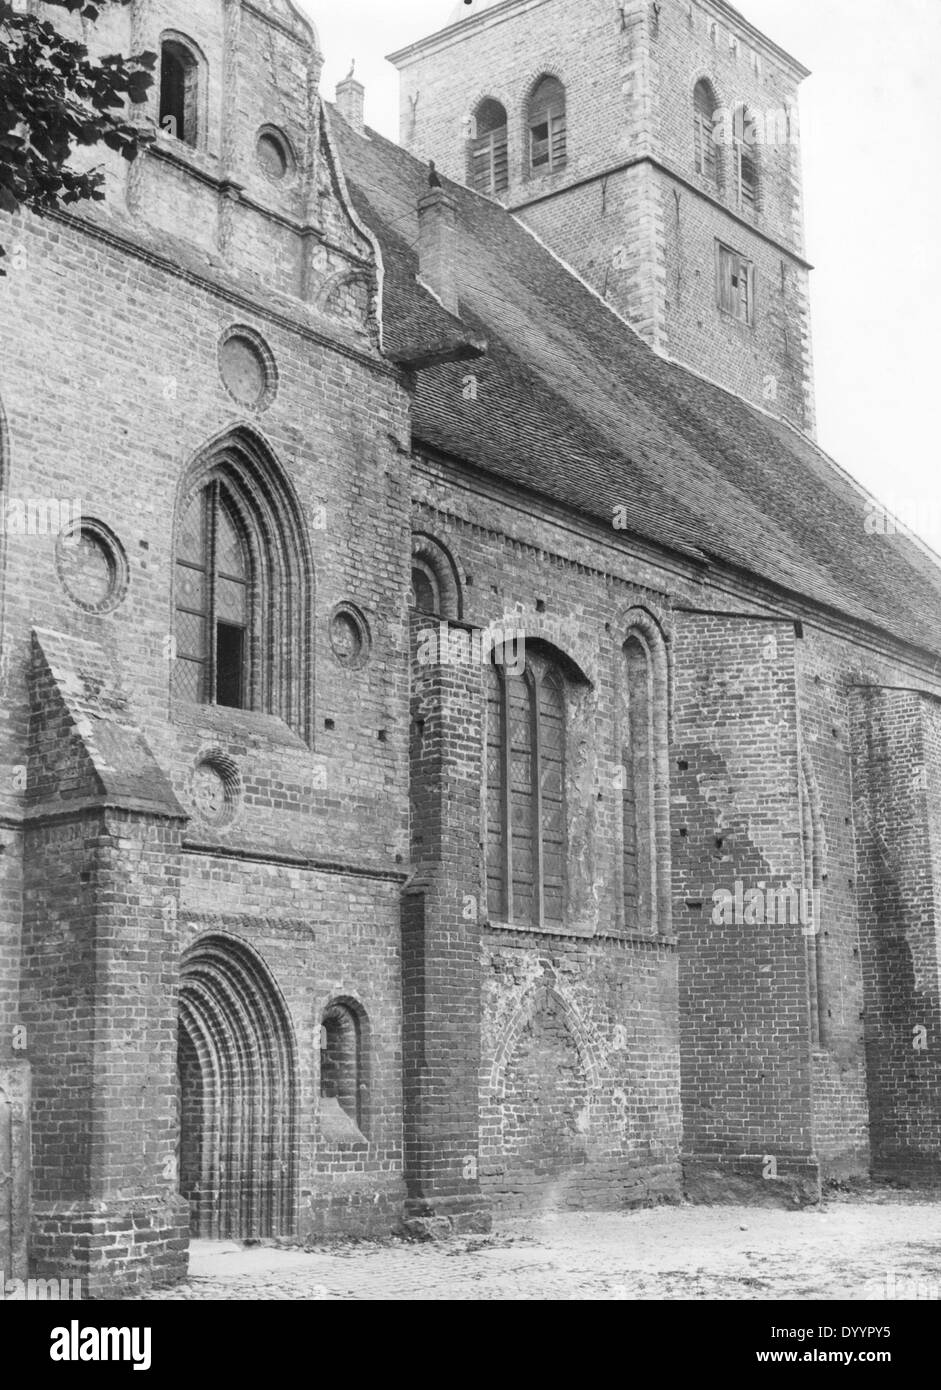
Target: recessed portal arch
{"type": "Point", "coordinates": [237, 1071]}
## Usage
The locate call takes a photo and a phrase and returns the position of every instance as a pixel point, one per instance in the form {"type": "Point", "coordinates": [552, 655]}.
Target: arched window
{"type": "Point", "coordinates": [637, 800]}
{"type": "Point", "coordinates": [242, 586]}
{"type": "Point", "coordinates": [435, 590]}
{"type": "Point", "coordinates": [645, 778]}
{"type": "Point", "coordinates": [214, 601]}
{"type": "Point", "coordinates": [179, 91]}
{"type": "Point", "coordinates": [704, 144]}
{"type": "Point", "coordinates": [487, 168]}
{"type": "Point", "coordinates": [547, 126]}
{"type": "Point", "coordinates": [341, 1062]}
{"type": "Point", "coordinates": [526, 839]}
{"type": "Point", "coordinates": [425, 593]}
{"type": "Point", "coordinates": [746, 167]}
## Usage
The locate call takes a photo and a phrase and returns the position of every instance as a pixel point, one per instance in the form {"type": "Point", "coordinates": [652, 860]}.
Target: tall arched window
{"type": "Point", "coordinates": [638, 797]}
{"type": "Point", "coordinates": [547, 135]}
{"type": "Point", "coordinates": [645, 778]}
{"type": "Point", "coordinates": [526, 839]}
{"type": "Point", "coordinates": [704, 144]}
{"type": "Point", "coordinates": [488, 169]}
{"type": "Point", "coordinates": [179, 91]}
{"type": "Point", "coordinates": [746, 166]}
{"type": "Point", "coordinates": [242, 586]}
{"type": "Point", "coordinates": [214, 601]}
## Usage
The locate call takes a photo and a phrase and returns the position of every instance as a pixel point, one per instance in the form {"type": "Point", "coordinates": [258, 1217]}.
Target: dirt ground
{"type": "Point", "coordinates": [883, 1246]}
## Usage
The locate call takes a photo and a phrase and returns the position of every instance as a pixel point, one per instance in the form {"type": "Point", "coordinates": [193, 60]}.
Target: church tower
{"type": "Point", "coordinates": [654, 146]}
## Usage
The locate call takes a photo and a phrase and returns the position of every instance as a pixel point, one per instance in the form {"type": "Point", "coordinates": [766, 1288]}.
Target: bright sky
{"type": "Point", "coordinates": [871, 127]}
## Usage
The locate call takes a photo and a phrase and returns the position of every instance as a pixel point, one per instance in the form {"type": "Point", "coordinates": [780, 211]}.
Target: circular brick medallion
{"type": "Point", "coordinates": [274, 154]}
{"type": "Point", "coordinates": [216, 789]}
{"type": "Point", "coordinates": [349, 636]}
{"type": "Point", "coordinates": [247, 368]}
{"type": "Point", "coordinates": [92, 566]}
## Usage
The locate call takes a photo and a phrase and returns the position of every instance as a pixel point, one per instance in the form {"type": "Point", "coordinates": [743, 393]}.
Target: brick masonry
{"type": "Point", "coordinates": [606, 1062]}
{"type": "Point", "coordinates": [628, 210]}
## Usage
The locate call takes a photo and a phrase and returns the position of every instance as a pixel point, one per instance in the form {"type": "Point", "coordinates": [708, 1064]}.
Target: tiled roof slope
{"type": "Point", "coordinates": [572, 403]}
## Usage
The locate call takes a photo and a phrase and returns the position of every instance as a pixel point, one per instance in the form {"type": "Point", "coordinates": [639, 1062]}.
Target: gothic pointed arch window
{"type": "Point", "coordinates": [242, 586]}
{"type": "Point", "coordinates": [645, 778]}
{"type": "Point", "coordinates": [704, 144]}
{"type": "Point", "coordinates": [487, 160]}
{"type": "Point", "coordinates": [526, 817]}
{"type": "Point", "coordinates": [546, 120]}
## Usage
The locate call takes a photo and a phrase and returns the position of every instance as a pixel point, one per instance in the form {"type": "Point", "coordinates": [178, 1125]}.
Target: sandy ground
{"type": "Point", "coordinates": [885, 1247]}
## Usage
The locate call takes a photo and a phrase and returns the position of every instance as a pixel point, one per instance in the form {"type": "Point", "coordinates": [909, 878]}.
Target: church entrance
{"type": "Point", "coordinates": [238, 1087]}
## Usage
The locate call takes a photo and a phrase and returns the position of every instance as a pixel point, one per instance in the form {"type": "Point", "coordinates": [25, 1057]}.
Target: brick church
{"type": "Point", "coordinates": [473, 752]}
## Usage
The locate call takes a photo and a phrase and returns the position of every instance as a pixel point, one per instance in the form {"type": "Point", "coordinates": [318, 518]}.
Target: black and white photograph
{"type": "Point", "coordinates": [470, 669]}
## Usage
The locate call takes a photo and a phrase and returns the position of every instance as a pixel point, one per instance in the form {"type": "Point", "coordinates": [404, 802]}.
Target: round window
{"type": "Point", "coordinates": [271, 157]}
{"type": "Point", "coordinates": [274, 154]}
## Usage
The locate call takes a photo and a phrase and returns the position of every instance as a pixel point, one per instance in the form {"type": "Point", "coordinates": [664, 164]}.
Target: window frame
{"type": "Point", "coordinates": [213, 497]}
{"type": "Point", "coordinates": [279, 531]}
{"type": "Point", "coordinates": [551, 112]}
{"type": "Point", "coordinates": [533, 682]}
{"type": "Point", "coordinates": [195, 94]}
{"type": "Point", "coordinates": [726, 300]}
{"type": "Point", "coordinates": [704, 135]}
{"type": "Point", "coordinates": [494, 144]}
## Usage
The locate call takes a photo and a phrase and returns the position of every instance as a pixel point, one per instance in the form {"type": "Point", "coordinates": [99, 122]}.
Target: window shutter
{"type": "Point", "coordinates": [726, 288]}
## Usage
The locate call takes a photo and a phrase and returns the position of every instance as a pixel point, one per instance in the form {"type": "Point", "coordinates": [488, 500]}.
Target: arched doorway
{"type": "Point", "coordinates": [237, 1077]}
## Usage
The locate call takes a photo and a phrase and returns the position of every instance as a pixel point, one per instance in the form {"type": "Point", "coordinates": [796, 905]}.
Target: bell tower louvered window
{"type": "Point", "coordinates": [488, 167]}
{"type": "Point", "coordinates": [547, 126]}
{"type": "Point", "coordinates": [704, 144]}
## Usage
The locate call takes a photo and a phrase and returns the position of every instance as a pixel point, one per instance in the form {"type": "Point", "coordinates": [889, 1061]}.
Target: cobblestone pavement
{"type": "Point", "coordinates": [849, 1249]}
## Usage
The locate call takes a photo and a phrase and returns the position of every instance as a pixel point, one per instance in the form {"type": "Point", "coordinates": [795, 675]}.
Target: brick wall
{"type": "Point", "coordinates": [307, 865]}
{"type": "Point", "coordinates": [895, 745]}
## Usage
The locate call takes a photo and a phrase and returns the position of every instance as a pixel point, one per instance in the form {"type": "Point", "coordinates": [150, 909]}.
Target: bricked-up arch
{"type": "Point", "coordinates": [813, 850]}
{"type": "Point", "coordinates": [6, 1186]}
{"type": "Point", "coordinates": [343, 1059]}
{"type": "Point", "coordinates": [487, 153]}
{"type": "Point", "coordinates": [238, 1094]}
{"type": "Point", "coordinates": [536, 1111]}
{"type": "Point", "coordinates": [237, 487]}
{"type": "Point", "coordinates": [645, 776]}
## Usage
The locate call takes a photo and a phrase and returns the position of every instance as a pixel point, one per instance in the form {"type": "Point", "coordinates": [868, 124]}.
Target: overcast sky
{"type": "Point", "coordinates": [871, 127]}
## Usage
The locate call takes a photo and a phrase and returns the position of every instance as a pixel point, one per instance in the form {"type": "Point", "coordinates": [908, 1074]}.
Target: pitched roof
{"type": "Point", "coordinates": [572, 403]}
